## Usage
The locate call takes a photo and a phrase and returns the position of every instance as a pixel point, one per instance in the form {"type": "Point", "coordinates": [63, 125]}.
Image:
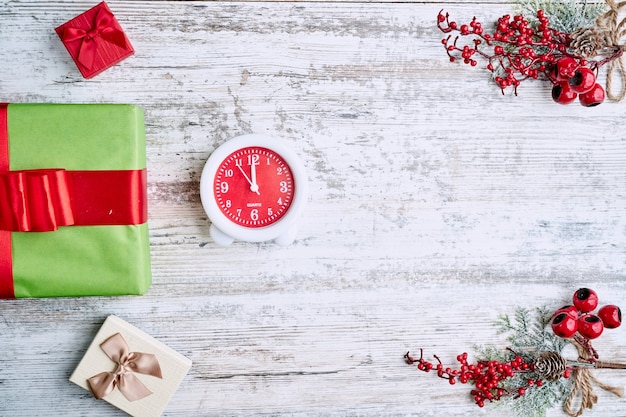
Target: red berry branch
{"type": "Point", "coordinates": [487, 376]}
{"type": "Point", "coordinates": [517, 51]}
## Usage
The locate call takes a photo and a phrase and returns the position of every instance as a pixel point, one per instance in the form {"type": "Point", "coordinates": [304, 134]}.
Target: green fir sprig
{"type": "Point", "coordinates": [528, 334]}
{"type": "Point", "coordinates": [565, 15]}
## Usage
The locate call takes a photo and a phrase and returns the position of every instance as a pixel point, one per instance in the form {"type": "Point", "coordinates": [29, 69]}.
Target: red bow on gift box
{"type": "Point", "coordinates": [41, 200]}
{"type": "Point", "coordinates": [103, 28]}
{"type": "Point", "coordinates": [35, 200]}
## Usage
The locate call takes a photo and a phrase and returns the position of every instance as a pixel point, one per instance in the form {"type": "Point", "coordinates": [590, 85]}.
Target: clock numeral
{"type": "Point", "coordinates": [228, 173]}
{"type": "Point", "coordinates": [239, 162]}
{"type": "Point", "coordinates": [238, 212]}
{"type": "Point", "coordinates": [224, 187]}
{"type": "Point", "coordinates": [270, 211]}
{"type": "Point", "coordinates": [283, 187]}
{"type": "Point", "coordinates": [279, 171]}
{"type": "Point", "coordinates": [229, 203]}
{"type": "Point", "coordinates": [253, 159]}
{"type": "Point", "coordinates": [279, 201]}
{"type": "Point", "coordinates": [254, 214]}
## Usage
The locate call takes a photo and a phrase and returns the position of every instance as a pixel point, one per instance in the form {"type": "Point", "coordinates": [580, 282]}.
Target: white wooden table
{"type": "Point", "coordinates": [436, 205]}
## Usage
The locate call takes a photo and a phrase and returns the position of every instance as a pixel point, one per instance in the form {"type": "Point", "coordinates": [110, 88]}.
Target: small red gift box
{"type": "Point", "coordinates": [95, 40]}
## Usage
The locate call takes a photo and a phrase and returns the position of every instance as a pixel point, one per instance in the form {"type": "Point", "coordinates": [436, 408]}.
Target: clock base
{"type": "Point", "coordinates": [288, 237]}
{"type": "Point", "coordinates": [220, 237]}
{"type": "Point", "coordinates": [223, 239]}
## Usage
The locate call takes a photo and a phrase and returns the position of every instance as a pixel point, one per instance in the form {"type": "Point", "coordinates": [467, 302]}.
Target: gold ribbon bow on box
{"type": "Point", "coordinates": [123, 377]}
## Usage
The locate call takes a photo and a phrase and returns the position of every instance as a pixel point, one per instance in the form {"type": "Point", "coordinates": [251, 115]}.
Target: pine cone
{"type": "Point", "coordinates": [586, 42]}
{"type": "Point", "coordinates": [550, 365]}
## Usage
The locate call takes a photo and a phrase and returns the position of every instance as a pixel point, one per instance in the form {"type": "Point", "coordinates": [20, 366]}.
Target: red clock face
{"type": "Point", "coordinates": [254, 187]}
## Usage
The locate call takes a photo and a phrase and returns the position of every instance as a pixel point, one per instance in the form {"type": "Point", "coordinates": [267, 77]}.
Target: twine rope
{"type": "Point", "coordinates": [614, 31]}
{"type": "Point", "coordinates": [583, 381]}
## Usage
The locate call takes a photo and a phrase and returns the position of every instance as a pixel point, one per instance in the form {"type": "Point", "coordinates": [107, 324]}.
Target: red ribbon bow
{"type": "Point", "coordinates": [104, 28]}
{"type": "Point", "coordinates": [35, 200]}
{"type": "Point", "coordinates": [123, 377]}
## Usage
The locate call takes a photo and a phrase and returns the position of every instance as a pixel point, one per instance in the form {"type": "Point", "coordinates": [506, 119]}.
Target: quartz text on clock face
{"type": "Point", "coordinates": [254, 187]}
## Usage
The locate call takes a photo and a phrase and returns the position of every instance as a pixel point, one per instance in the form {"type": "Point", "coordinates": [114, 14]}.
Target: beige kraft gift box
{"type": "Point", "coordinates": [174, 367]}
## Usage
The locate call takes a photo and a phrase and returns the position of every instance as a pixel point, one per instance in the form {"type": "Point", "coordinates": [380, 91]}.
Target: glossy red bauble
{"type": "Point", "coordinates": [566, 67]}
{"type": "Point", "coordinates": [590, 326]}
{"type": "Point", "coordinates": [583, 80]}
{"type": "Point", "coordinates": [611, 316]}
{"type": "Point", "coordinates": [569, 309]}
{"type": "Point", "coordinates": [585, 300]}
{"type": "Point", "coordinates": [564, 325]}
{"type": "Point", "coordinates": [562, 93]}
{"type": "Point", "coordinates": [592, 97]}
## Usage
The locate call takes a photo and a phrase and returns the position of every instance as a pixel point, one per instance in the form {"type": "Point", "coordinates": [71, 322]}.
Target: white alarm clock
{"type": "Point", "coordinates": [253, 188]}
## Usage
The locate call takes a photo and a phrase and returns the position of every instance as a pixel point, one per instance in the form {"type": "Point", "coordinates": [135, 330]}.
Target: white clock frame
{"type": "Point", "coordinates": [223, 230]}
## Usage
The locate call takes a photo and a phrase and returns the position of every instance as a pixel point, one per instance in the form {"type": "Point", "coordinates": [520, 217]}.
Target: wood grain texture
{"type": "Point", "coordinates": [436, 204]}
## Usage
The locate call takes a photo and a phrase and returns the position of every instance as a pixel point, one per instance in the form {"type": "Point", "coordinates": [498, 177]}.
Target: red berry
{"type": "Point", "coordinates": [590, 326]}
{"type": "Point", "coordinates": [592, 97]}
{"type": "Point", "coordinates": [569, 309]}
{"type": "Point", "coordinates": [562, 93]}
{"type": "Point", "coordinates": [564, 325]}
{"type": "Point", "coordinates": [583, 80]}
{"type": "Point", "coordinates": [611, 316]}
{"type": "Point", "coordinates": [585, 300]}
{"type": "Point", "coordinates": [566, 67]}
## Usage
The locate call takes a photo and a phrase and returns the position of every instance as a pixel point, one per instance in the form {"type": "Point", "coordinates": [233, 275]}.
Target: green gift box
{"type": "Point", "coordinates": [73, 201]}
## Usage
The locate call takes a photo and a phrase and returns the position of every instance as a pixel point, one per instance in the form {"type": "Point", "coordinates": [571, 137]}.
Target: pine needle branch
{"type": "Point", "coordinates": [565, 15]}
{"type": "Point", "coordinates": [529, 334]}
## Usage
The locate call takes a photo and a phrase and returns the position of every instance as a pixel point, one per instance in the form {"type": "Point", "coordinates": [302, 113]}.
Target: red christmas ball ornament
{"type": "Point", "coordinates": [556, 78]}
{"type": "Point", "coordinates": [562, 93]}
{"type": "Point", "coordinates": [566, 67]}
{"type": "Point", "coordinates": [585, 300]}
{"type": "Point", "coordinates": [592, 97]}
{"type": "Point", "coordinates": [564, 325]}
{"type": "Point", "coordinates": [569, 309]}
{"type": "Point", "coordinates": [583, 80]}
{"type": "Point", "coordinates": [611, 316]}
{"type": "Point", "coordinates": [590, 326]}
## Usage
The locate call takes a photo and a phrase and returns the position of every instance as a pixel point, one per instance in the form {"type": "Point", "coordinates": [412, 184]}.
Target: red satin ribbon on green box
{"type": "Point", "coordinates": [73, 201]}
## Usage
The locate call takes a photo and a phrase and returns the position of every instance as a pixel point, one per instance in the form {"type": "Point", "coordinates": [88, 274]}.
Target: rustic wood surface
{"type": "Point", "coordinates": [436, 204]}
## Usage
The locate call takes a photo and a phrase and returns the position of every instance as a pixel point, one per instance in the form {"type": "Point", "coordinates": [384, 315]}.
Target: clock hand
{"type": "Point", "coordinates": [244, 174]}
{"type": "Point", "coordinates": [254, 187]}
{"type": "Point", "coordinates": [249, 180]}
